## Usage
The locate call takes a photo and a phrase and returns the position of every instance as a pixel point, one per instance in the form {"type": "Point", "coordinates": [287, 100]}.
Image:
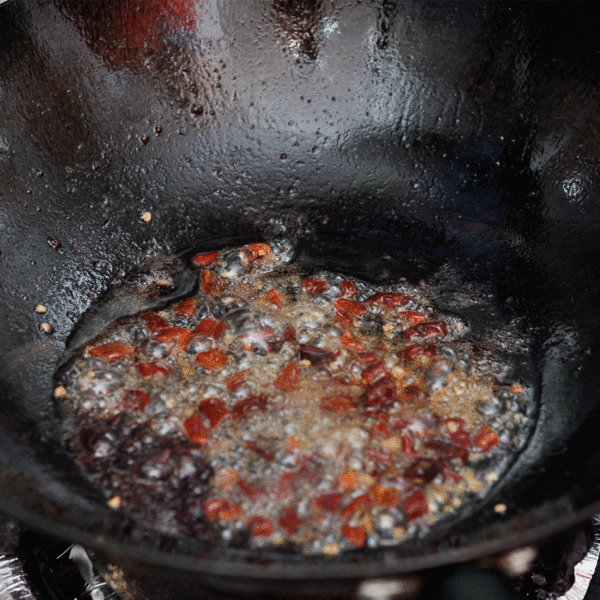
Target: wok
{"type": "Point", "coordinates": [461, 133]}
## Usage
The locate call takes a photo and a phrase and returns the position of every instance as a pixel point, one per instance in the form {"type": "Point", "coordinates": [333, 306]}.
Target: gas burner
{"type": "Point", "coordinates": [36, 567]}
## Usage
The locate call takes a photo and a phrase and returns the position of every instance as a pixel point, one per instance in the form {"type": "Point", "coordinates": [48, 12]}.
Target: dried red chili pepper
{"type": "Point", "coordinates": [195, 430]}
{"type": "Point", "coordinates": [185, 308]}
{"type": "Point", "coordinates": [328, 502]}
{"type": "Point", "coordinates": [260, 250]}
{"type": "Point", "coordinates": [422, 471]}
{"type": "Point", "coordinates": [261, 527]}
{"type": "Point", "coordinates": [149, 369]}
{"type": "Point", "coordinates": [211, 359]}
{"type": "Point", "coordinates": [289, 521]}
{"type": "Point", "coordinates": [355, 505]}
{"type": "Point", "coordinates": [288, 377]}
{"type": "Point", "coordinates": [349, 308]}
{"type": "Point", "coordinates": [210, 285]}
{"type": "Point", "coordinates": [211, 328]}
{"type": "Point", "coordinates": [447, 448]}
{"type": "Point", "coordinates": [389, 300]}
{"type": "Point", "coordinates": [222, 510]}
{"type": "Point", "coordinates": [352, 343]}
{"type": "Point", "coordinates": [412, 317]}
{"type": "Point", "coordinates": [425, 330]}
{"type": "Point", "coordinates": [272, 297]}
{"type": "Point", "coordinates": [355, 535]}
{"type": "Point", "coordinates": [486, 438]}
{"type": "Point", "coordinates": [374, 373]}
{"type": "Point", "coordinates": [178, 336]}
{"type": "Point", "coordinates": [414, 394]}
{"type": "Point", "coordinates": [415, 505]}
{"type": "Point", "coordinates": [201, 260]}
{"type": "Point", "coordinates": [348, 289]}
{"type": "Point", "coordinates": [112, 351]}
{"type": "Point", "coordinates": [337, 404]}
{"type": "Point", "coordinates": [154, 323]}
{"type": "Point", "coordinates": [380, 456]}
{"type": "Point", "coordinates": [251, 491]}
{"type": "Point", "coordinates": [385, 496]}
{"type": "Point", "coordinates": [314, 286]}
{"type": "Point", "coordinates": [237, 381]}
{"type": "Point", "coordinates": [314, 355]}
{"type": "Point", "coordinates": [382, 393]}
{"type": "Point", "coordinates": [249, 405]}
{"type": "Point", "coordinates": [214, 410]}
{"type": "Point", "coordinates": [135, 400]}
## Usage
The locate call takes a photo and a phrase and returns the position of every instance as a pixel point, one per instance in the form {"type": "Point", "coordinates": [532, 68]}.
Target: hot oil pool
{"type": "Point", "coordinates": [284, 406]}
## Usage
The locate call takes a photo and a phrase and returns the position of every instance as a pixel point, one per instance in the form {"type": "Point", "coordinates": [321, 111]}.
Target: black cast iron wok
{"type": "Point", "coordinates": [463, 133]}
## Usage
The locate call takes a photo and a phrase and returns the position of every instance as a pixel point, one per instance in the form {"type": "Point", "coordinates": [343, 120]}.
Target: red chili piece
{"type": "Point", "coordinates": [349, 308]}
{"type": "Point", "coordinates": [195, 430]}
{"type": "Point", "coordinates": [348, 289]}
{"type": "Point", "coordinates": [315, 355]}
{"type": "Point", "coordinates": [261, 527]}
{"type": "Point", "coordinates": [211, 328]}
{"type": "Point", "coordinates": [288, 377]}
{"type": "Point", "coordinates": [314, 286]}
{"type": "Point", "coordinates": [201, 260]}
{"type": "Point", "coordinates": [251, 491]}
{"type": "Point", "coordinates": [237, 381]}
{"type": "Point", "coordinates": [328, 502]}
{"type": "Point", "coordinates": [185, 308]}
{"type": "Point", "coordinates": [337, 404]}
{"type": "Point", "coordinates": [149, 369]}
{"type": "Point", "coordinates": [374, 373]}
{"type": "Point", "coordinates": [352, 343]}
{"type": "Point", "coordinates": [382, 393]}
{"type": "Point", "coordinates": [422, 471]}
{"type": "Point", "coordinates": [268, 455]}
{"type": "Point", "coordinates": [154, 323]}
{"type": "Point", "coordinates": [410, 353]}
{"type": "Point", "coordinates": [367, 358]}
{"type": "Point", "coordinates": [249, 405]}
{"type": "Point", "coordinates": [415, 505]}
{"type": "Point", "coordinates": [385, 496]}
{"type": "Point", "coordinates": [424, 330]}
{"type": "Point", "coordinates": [449, 449]}
{"type": "Point", "coordinates": [389, 300]}
{"type": "Point", "coordinates": [112, 351]}
{"type": "Point", "coordinates": [486, 439]}
{"type": "Point", "coordinates": [214, 410]}
{"type": "Point", "coordinates": [272, 297]}
{"type": "Point", "coordinates": [355, 535]}
{"type": "Point", "coordinates": [289, 521]}
{"type": "Point", "coordinates": [355, 505]}
{"type": "Point", "coordinates": [178, 336]}
{"type": "Point", "coordinates": [211, 359]}
{"type": "Point", "coordinates": [223, 510]}
{"type": "Point", "coordinates": [209, 285]}
{"type": "Point", "coordinates": [412, 316]}
{"type": "Point", "coordinates": [260, 250]}
{"type": "Point", "coordinates": [135, 400]}
{"type": "Point", "coordinates": [414, 394]}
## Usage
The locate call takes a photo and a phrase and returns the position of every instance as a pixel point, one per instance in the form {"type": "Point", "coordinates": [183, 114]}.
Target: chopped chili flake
{"type": "Point", "coordinates": [185, 308]}
{"type": "Point", "coordinates": [314, 355]}
{"type": "Point", "coordinates": [348, 289]}
{"type": "Point", "coordinates": [337, 404]}
{"type": "Point", "coordinates": [382, 393]}
{"type": "Point", "coordinates": [389, 300]}
{"type": "Point", "coordinates": [380, 455]}
{"type": "Point", "coordinates": [289, 521]}
{"type": "Point", "coordinates": [486, 439]}
{"type": "Point", "coordinates": [288, 377]}
{"type": "Point", "coordinates": [380, 428]}
{"type": "Point", "coordinates": [412, 317]}
{"type": "Point", "coordinates": [210, 285]}
{"type": "Point", "coordinates": [350, 308]}
{"type": "Point", "coordinates": [422, 471]}
{"type": "Point", "coordinates": [201, 260]}
{"type": "Point", "coordinates": [415, 505]}
{"type": "Point", "coordinates": [272, 297]}
{"type": "Point", "coordinates": [237, 381]}
{"type": "Point", "coordinates": [367, 358]}
{"type": "Point", "coordinates": [195, 430]}
{"type": "Point", "coordinates": [328, 502]}
{"type": "Point", "coordinates": [249, 405]}
{"type": "Point", "coordinates": [178, 336]}
{"type": "Point", "coordinates": [261, 527]}
{"type": "Point", "coordinates": [449, 449]}
{"type": "Point", "coordinates": [355, 535]}
{"type": "Point", "coordinates": [135, 400]}
{"type": "Point", "coordinates": [226, 479]}
{"type": "Point", "coordinates": [424, 330]}
{"type": "Point", "coordinates": [314, 286]}
{"type": "Point", "coordinates": [154, 323]}
{"type": "Point", "coordinates": [407, 446]}
{"type": "Point", "coordinates": [348, 480]}
{"type": "Point", "coordinates": [285, 486]}
{"type": "Point", "coordinates": [260, 250]}
{"type": "Point", "coordinates": [352, 343]}
{"type": "Point", "coordinates": [250, 490]}
{"type": "Point", "coordinates": [222, 509]}
{"type": "Point", "coordinates": [410, 353]}
{"type": "Point", "coordinates": [374, 373]}
{"type": "Point", "coordinates": [149, 369]}
{"type": "Point", "coordinates": [112, 351]}
{"type": "Point", "coordinates": [214, 410]}
{"type": "Point", "coordinates": [211, 328]}
{"type": "Point", "coordinates": [385, 496]}
{"type": "Point", "coordinates": [211, 359]}
{"type": "Point", "coordinates": [355, 505]}
{"type": "Point", "coordinates": [413, 393]}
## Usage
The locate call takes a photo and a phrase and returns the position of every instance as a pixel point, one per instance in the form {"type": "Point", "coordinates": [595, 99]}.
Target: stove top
{"type": "Point", "coordinates": [36, 567]}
